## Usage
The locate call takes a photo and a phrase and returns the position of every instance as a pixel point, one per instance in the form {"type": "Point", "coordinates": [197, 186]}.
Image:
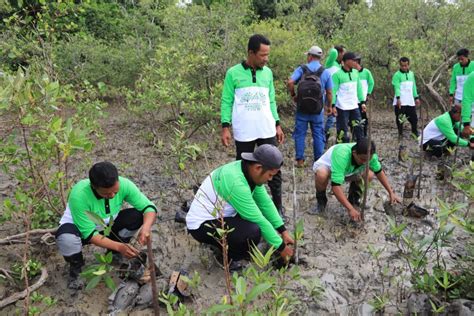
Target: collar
{"type": "Point", "coordinates": [361, 69]}
{"type": "Point", "coordinates": [467, 65]}
{"type": "Point", "coordinates": [346, 70]}
{"type": "Point", "coordinates": [97, 196]}
{"type": "Point", "coordinates": [404, 72]}
{"type": "Point", "coordinates": [353, 162]}
{"type": "Point", "coordinates": [245, 171]}
{"type": "Point", "coordinates": [314, 62]}
{"type": "Point", "coordinates": [247, 66]}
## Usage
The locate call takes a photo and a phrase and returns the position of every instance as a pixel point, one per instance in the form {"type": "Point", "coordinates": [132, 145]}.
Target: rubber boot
{"type": "Point", "coordinates": [355, 192]}
{"type": "Point", "coordinates": [76, 262]}
{"type": "Point", "coordinates": [321, 202]}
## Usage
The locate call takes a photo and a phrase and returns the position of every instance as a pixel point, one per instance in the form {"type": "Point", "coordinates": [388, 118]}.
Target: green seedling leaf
{"type": "Point", "coordinates": [99, 272]}
{"type": "Point", "coordinates": [93, 282]}
{"type": "Point", "coordinates": [109, 282]}
{"type": "Point", "coordinates": [220, 308]}
{"type": "Point", "coordinates": [96, 219]}
{"type": "Point", "coordinates": [257, 290]}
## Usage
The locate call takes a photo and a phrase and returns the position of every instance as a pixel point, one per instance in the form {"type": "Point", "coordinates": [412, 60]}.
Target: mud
{"type": "Point", "coordinates": [334, 249]}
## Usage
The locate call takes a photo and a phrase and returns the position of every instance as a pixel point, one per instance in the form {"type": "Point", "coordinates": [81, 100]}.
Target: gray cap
{"type": "Point", "coordinates": [267, 155]}
{"type": "Point", "coordinates": [315, 50]}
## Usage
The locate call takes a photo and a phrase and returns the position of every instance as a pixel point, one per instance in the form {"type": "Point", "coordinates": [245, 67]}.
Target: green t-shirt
{"type": "Point", "coordinates": [367, 81]}
{"type": "Point", "coordinates": [342, 163]}
{"type": "Point", "coordinates": [467, 99]}
{"type": "Point", "coordinates": [404, 85]}
{"type": "Point", "coordinates": [458, 77]}
{"type": "Point", "coordinates": [347, 89]}
{"type": "Point", "coordinates": [82, 198]}
{"type": "Point", "coordinates": [446, 126]}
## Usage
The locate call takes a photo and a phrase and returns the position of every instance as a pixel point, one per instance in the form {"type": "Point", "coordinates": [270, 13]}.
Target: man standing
{"type": "Point", "coordinates": [103, 195]}
{"type": "Point", "coordinates": [248, 103]}
{"type": "Point", "coordinates": [367, 82]}
{"type": "Point", "coordinates": [461, 70]}
{"type": "Point", "coordinates": [235, 193]}
{"type": "Point", "coordinates": [406, 97]}
{"type": "Point", "coordinates": [333, 64]}
{"type": "Point", "coordinates": [346, 162]}
{"type": "Point", "coordinates": [468, 106]}
{"type": "Point", "coordinates": [314, 91]}
{"type": "Point", "coordinates": [440, 134]}
{"type": "Point", "coordinates": [347, 90]}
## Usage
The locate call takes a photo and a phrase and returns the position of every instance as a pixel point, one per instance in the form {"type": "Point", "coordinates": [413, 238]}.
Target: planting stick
{"type": "Point", "coordinates": [421, 151]}
{"type": "Point", "coordinates": [366, 175]}
{"type": "Point", "coordinates": [295, 206]}
{"type": "Point", "coordinates": [151, 263]}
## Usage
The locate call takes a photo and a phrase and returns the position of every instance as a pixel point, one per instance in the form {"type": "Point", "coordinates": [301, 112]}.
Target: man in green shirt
{"type": "Point", "coordinates": [103, 195]}
{"type": "Point", "coordinates": [406, 96]}
{"type": "Point", "coordinates": [235, 193]}
{"type": "Point", "coordinates": [347, 96]}
{"type": "Point", "coordinates": [346, 162]}
{"type": "Point", "coordinates": [367, 82]}
{"type": "Point", "coordinates": [248, 104]}
{"type": "Point", "coordinates": [468, 106]}
{"type": "Point", "coordinates": [333, 64]}
{"type": "Point", "coordinates": [461, 70]}
{"type": "Point", "coordinates": [441, 133]}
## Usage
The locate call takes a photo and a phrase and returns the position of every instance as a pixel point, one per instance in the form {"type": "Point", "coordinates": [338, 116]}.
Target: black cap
{"type": "Point", "coordinates": [267, 155]}
{"type": "Point", "coordinates": [349, 56]}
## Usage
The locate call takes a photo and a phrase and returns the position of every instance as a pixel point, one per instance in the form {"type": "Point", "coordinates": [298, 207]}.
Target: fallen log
{"type": "Point", "coordinates": [20, 295]}
{"type": "Point", "coordinates": [14, 239]}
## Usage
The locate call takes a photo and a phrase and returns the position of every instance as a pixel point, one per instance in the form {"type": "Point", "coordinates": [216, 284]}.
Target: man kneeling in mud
{"type": "Point", "coordinates": [235, 192]}
{"type": "Point", "coordinates": [346, 162]}
{"type": "Point", "coordinates": [103, 194]}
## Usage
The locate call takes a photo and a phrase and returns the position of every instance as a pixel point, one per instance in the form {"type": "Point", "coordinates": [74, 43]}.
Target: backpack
{"type": "Point", "coordinates": [309, 94]}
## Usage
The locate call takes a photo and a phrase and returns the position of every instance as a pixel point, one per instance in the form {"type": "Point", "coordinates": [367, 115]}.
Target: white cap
{"type": "Point", "coordinates": [315, 50]}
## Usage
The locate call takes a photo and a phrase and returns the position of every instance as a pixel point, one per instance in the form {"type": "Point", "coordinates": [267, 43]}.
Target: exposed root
{"type": "Point", "coordinates": [20, 295]}
{"type": "Point", "coordinates": [35, 233]}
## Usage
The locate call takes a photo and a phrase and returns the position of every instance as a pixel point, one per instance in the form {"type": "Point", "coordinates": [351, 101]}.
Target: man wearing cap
{"type": "Point", "coordinates": [248, 103]}
{"type": "Point", "coordinates": [406, 97]}
{"type": "Point", "coordinates": [367, 82]}
{"type": "Point", "coordinates": [461, 70]}
{"type": "Point", "coordinates": [102, 194]}
{"type": "Point", "coordinates": [441, 133]}
{"type": "Point", "coordinates": [235, 192]}
{"type": "Point", "coordinates": [333, 64]}
{"type": "Point", "coordinates": [347, 91]}
{"type": "Point", "coordinates": [346, 162]}
{"type": "Point", "coordinates": [305, 116]}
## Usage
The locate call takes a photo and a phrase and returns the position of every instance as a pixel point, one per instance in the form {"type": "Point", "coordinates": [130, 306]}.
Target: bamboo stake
{"type": "Point", "coordinates": [369, 148]}
{"type": "Point", "coordinates": [421, 152]}
{"type": "Point", "coordinates": [295, 206]}
{"type": "Point", "coordinates": [151, 264]}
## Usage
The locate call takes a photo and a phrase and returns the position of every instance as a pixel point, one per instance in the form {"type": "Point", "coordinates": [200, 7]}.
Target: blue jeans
{"type": "Point", "coordinates": [316, 122]}
{"type": "Point", "coordinates": [329, 123]}
{"type": "Point", "coordinates": [346, 118]}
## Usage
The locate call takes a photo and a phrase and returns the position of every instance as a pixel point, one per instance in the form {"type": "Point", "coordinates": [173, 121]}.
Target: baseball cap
{"type": "Point", "coordinates": [349, 56]}
{"type": "Point", "coordinates": [267, 155]}
{"type": "Point", "coordinates": [315, 50]}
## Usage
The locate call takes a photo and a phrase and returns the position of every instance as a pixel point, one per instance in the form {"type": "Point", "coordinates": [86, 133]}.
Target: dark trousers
{"type": "Point", "coordinates": [70, 242]}
{"type": "Point", "coordinates": [437, 147]}
{"type": "Point", "coordinates": [275, 183]}
{"type": "Point", "coordinates": [410, 112]}
{"type": "Point", "coordinates": [364, 118]}
{"type": "Point", "coordinates": [344, 119]}
{"type": "Point", "coordinates": [239, 240]}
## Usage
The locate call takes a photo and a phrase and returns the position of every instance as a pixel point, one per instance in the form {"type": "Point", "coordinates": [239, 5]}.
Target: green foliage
{"type": "Point", "coordinates": [102, 271]}
{"type": "Point", "coordinates": [40, 143]}
{"type": "Point", "coordinates": [40, 303]}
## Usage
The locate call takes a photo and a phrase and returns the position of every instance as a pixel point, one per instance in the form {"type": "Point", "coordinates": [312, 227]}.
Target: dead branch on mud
{"type": "Point", "coordinates": [20, 295]}
{"type": "Point", "coordinates": [35, 233]}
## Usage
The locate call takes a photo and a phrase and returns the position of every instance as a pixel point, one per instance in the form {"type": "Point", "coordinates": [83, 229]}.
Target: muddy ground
{"type": "Point", "coordinates": [334, 250]}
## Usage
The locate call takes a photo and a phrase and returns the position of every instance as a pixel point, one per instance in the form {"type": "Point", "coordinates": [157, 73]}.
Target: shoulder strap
{"type": "Point", "coordinates": [320, 71]}
{"type": "Point", "coordinates": [305, 68]}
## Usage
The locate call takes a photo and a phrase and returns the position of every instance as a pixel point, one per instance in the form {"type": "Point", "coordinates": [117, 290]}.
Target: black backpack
{"type": "Point", "coordinates": [310, 96]}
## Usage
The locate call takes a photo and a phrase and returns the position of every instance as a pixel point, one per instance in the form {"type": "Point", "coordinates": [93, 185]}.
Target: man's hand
{"type": "Point", "coordinates": [144, 235]}
{"type": "Point", "coordinates": [128, 251]}
{"type": "Point", "coordinates": [451, 100]}
{"type": "Point", "coordinates": [225, 136]}
{"type": "Point", "coordinates": [394, 198]}
{"type": "Point", "coordinates": [280, 135]}
{"type": "Point", "coordinates": [287, 238]}
{"type": "Point", "coordinates": [417, 102]}
{"type": "Point", "coordinates": [287, 253]}
{"type": "Point", "coordinates": [334, 111]}
{"type": "Point", "coordinates": [328, 110]}
{"type": "Point", "coordinates": [355, 215]}
{"type": "Point", "coordinates": [466, 131]}
{"type": "Point", "coordinates": [399, 104]}
{"type": "Point", "coordinates": [364, 108]}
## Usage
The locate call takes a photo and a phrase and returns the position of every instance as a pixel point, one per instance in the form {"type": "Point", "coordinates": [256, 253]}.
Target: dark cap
{"type": "Point", "coordinates": [349, 56]}
{"type": "Point", "coordinates": [267, 155]}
